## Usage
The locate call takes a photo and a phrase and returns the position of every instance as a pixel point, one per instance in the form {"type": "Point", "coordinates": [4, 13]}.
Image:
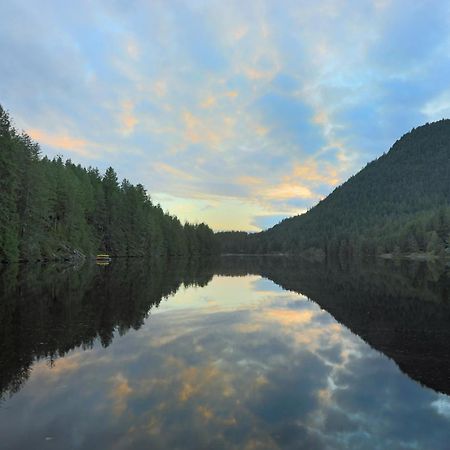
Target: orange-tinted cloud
{"type": "Point", "coordinates": [232, 94]}
{"type": "Point", "coordinates": [248, 180]}
{"type": "Point", "coordinates": [209, 102]}
{"type": "Point", "coordinates": [206, 130]}
{"type": "Point", "coordinates": [194, 379]}
{"type": "Point", "coordinates": [310, 171]}
{"type": "Point", "coordinates": [62, 141]}
{"type": "Point", "coordinates": [290, 316]}
{"type": "Point", "coordinates": [120, 393]}
{"type": "Point", "coordinates": [167, 168]}
{"type": "Point", "coordinates": [287, 190]}
{"type": "Point", "coordinates": [128, 119]}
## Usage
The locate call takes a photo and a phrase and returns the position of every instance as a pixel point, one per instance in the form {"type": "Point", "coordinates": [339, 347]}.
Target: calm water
{"type": "Point", "coordinates": [216, 354]}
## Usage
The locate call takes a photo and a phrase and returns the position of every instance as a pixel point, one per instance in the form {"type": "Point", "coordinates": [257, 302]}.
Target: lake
{"type": "Point", "coordinates": [231, 352]}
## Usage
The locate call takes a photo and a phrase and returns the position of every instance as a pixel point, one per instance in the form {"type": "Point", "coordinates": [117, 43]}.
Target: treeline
{"type": "Point", "coordinates": [398, 204]}
{"type": "Point", "coordinates": [51, 209]}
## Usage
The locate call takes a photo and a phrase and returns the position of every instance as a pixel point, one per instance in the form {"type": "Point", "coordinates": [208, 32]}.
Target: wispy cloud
{"type": "Point", "coordinates": [255, 109]}
{"type": "Point", "coordinates": [63, 142]}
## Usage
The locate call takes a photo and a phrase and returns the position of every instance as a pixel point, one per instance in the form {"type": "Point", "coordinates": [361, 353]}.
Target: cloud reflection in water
{"type": "Point", "coordinates": [239, 364]}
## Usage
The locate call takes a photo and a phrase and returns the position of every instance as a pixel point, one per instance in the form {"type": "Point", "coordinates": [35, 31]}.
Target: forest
{"type": "Point", "coordinates": [398, 204]}
{"type": "Point", "coordinates": [52, 209]}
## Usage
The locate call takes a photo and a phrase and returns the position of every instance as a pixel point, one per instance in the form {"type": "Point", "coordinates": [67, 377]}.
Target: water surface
{"type": "Point", "coordinates": [214, 354]}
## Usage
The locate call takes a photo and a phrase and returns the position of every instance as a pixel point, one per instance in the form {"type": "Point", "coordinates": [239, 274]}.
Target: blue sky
{"type": "Point", "coordinates": [229, 112]}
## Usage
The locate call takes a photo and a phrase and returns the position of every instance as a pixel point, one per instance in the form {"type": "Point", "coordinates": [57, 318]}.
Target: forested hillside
{"type": "Point", "coordinates": [399, 203]}
{"type": "Point", "coordinates": [50, 208]}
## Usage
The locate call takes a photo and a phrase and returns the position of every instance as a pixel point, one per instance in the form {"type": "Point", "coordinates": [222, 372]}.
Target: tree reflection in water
{"type": "Point", "coordinates": [271, 369]}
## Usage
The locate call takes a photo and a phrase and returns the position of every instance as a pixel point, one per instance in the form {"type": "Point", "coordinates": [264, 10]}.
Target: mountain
{"type": "Point", "coordinates": [399, 203]}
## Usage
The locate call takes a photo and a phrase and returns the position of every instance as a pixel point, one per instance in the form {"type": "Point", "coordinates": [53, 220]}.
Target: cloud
{"type": "Point", "coordinates": [247, 104]}
{"type": "Point", "coordinates": [180, 174]}
{"type": "Point", "coordinates": [62, 142]}
{"type": "Point", "coordinates": [265, 367]}
{"type": "Point", "coordinates": [288, 317]}
{"type": "Point", "coordinates": [438, 107]}
{"type": "Point", "coordinates": [128, 120]}
{"type": "Point", "coordinates": [133, 49]}
{"type": "Point", "coordinates": [120, 394]}
{"type": "Point", "coordinates": [286, 191]}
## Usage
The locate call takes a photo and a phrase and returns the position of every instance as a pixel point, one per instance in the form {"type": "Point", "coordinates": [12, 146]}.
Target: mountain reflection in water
{"type": "Point", "coordinates": [213, 354]}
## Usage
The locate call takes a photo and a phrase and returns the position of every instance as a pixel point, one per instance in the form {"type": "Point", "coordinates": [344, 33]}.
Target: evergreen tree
{"type": "Point", "coordinates": [52, 208]}
{"type": "Point", "coordinates": [399, 203]}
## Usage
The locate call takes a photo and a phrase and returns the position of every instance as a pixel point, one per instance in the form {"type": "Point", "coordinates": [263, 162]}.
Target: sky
{"type": "Point", "coordinates": [232, 113]}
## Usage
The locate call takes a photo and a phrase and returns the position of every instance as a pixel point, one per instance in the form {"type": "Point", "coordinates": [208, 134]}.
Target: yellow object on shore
{"type": "Point", "coordinates": [103, 260]}
{"type": "Point", "coordinates": [102, 263]}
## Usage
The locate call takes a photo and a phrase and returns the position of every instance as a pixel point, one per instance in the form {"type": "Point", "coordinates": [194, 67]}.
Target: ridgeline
{"type": "Point", "coordinates": [398, 204]}
{"type": "Point", "coordinates": [56, 210]}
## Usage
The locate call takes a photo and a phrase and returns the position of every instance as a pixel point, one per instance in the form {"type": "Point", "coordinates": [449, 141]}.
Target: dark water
{"type": "Point", "coordinates": [235, 353]}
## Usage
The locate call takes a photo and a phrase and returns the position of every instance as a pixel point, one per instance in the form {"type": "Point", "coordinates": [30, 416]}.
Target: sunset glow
{"type": "Point", "coordinates": [198, 99]}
